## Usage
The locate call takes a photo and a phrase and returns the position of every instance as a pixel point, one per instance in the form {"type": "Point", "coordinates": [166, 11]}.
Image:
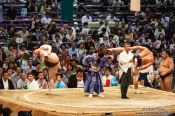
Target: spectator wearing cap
{"type": "Point", "coordinates": [75, 27]}
{"type": "Point", "coordinates": [108, 79]}
{"type": "Point", "coordinates": [60, 83]}
{"type": "Point", "coordinates": [32, 83]}
{"type": "Point", "coordinates": [5, 82]}
{"type": "Point", "coordinates": [86, 18]}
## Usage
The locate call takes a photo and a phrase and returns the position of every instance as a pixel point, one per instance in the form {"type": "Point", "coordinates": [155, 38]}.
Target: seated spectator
{"type": "Point", "coordinates": [73, 50]}
{"type": "Point", "coordinates": [58, 40]}
{"type": "Point", "coordinates": [65, 79]}
{"type": "Point", "coordinates": [62, 65]}
{"type": "Point", "coordinates": [30, 66]}
{"type": "Point", "coordinates": [45, 21]}
{"type": "Point", "coordinates": [81, 10]}
{"type": "Point", "coordinates": [85, 28]}
{"type": "Point", "coordinates": [74, 28]}
{"type": "Point", "coordinates": [108, 79]}
{"type": "Point", "coordinates": [105, 25]}
{"type": "Point", "coordinates": [86, 18]}
{"type": "Point", "coordinates": [5, 82]}
{"type": "Point", "coordinates": [41, 81]}
{"type": "Point", "coordinates": [24, 33]}
{"type": "Point", "coordinates": [59, 82]}
{"type": "Point", "coordinates": [1, 72]}
{"type": "Point", "coordinates": [70, 35]}
{"type": "Point", "coordinates": [77, 80]}
{"type": "Point", "coordinates": [70, 70]}
{"type": "Point", "coordinates": [15, 76]}
{"type": "Point", "coordinates": [22, 82]}
{"type": "Point", "coordinates": [32, 84]}
{"type": "Point", "coordinates": [111, 17]}
{"type": "Point", "coordinates": [11, 13]}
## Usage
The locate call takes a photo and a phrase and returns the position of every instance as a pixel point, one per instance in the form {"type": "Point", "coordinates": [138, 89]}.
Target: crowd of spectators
{"type": "Point", "coordinates": [72, 43]}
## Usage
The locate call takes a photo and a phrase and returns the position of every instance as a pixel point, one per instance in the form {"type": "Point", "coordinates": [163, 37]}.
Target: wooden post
{"type": "Point", "coordinates": [135, 5]}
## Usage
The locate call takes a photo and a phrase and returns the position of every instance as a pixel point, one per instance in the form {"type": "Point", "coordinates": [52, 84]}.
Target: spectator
{"type": "Point", "coordinates": [11, 13]}
{"type": "Point", "coordinates": [73, 50]}
{"type": "Point", "coordinates": [41, 81]}
{"type": "Point", "coordinates": [77, 80]}
{"type": "Point", "coordinates": [30, 66]}
{"type": "Point", "coordinates": [70, 70]}
{"type": "Point", "coordinates": [15, 77]}
{"type": "Point", "coordinates": [86, 18]}
{"type": "Point", "coordinates": [74, 28]}
{"type": "Point", "coordinates": [45, 21]}
{"type": "Point", "coordinates": [22, 82]}
{"type": "Point", "coordinates": [31, 84]}
{"type": "Point", "coordinates": [5, 82]}
{"type": "Point", "coordinates": [59, 82]}
{"type": "Point", "coordinates": [23, 33]}
{"type": "Point", "coordinates": [85, 29]}
{"type": "Point", "coordinates": [108, 79]}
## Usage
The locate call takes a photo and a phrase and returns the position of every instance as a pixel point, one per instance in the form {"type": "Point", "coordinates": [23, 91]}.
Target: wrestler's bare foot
{"type": "Point", "coordinates": [48, 93]}
{"type": "Point", "coordinates": [138, 91]}
{"type": "Point", "coordinates": [100, 95]}
{"type": "Point", "coordinates": [90, 95]}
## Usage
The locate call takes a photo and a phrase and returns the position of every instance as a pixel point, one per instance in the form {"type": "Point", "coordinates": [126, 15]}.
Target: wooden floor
{"type": "Point", "coordinates": [71, 102]}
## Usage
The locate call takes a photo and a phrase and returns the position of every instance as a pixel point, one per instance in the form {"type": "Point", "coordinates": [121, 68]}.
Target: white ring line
{"type": "Point", "coordinates": [26, 96]}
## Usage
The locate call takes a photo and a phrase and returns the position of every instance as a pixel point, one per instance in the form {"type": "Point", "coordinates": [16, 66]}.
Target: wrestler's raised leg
{"type": "Point", "coordinates": [52, 74]}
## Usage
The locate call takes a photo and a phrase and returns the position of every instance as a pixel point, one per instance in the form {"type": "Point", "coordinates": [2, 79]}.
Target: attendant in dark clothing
{"type": "Point", "coordinates": [5, 82]}
{"type": "Point", "coordinates": [76, 80]}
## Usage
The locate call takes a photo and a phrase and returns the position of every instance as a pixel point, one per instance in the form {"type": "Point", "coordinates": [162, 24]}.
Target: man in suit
{"type": "Point", "coordinates": [5, 82]}
{"type": "Point", "coordinates": [77, 80]}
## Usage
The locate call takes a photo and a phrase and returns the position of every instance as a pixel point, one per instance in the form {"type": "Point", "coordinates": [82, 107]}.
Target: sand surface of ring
{"type": "Point", "coordinates": [76, 101]}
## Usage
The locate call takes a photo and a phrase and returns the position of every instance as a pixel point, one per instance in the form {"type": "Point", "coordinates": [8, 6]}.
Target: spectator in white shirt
{"type": "Point", "coordinates": [58, 40]}
{"type": "Point", "coordinates": [105, 25]}
{"type": "Point", "coordinates": [32, 84]}
{"type": "Point", "coordinates": [86, 18]}
{"type": "Point", "coordinates": [24, 33]}
{"type": "Point", "coordinates": [85, 29]}
{"type": "Point", "coordinates": [159, 31]}
{"type": "Point", "coordinates": [75, 27]}
{"type": "Point", "coordinates": [111, 17]}
{"type": "Point", "coordinates": [46, 20]}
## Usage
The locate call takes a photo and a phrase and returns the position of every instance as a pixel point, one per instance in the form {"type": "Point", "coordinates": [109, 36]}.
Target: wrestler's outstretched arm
{"type": "Point", "coordinates": [118, 49]}
{"type": "Point", "coordinates": [141, 48]}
